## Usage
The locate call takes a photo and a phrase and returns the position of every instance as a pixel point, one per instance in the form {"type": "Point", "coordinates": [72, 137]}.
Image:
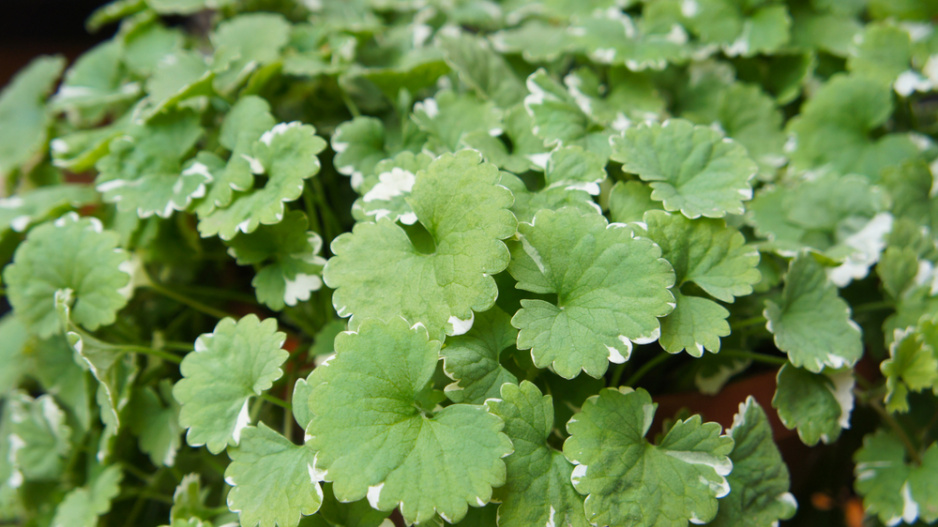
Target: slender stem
{"type": "Point", "coordinates": [182, 299]}
{"type": "Point", "coordinates": [165, 355]}
{"type": "Point", "coordinates": [139, 474]}
{"type": "Point", "coordinates": [617, 373]}
{"type": "Point", "coordinates": [215, 292]}
{"type": "Point", "coordinates": [179, 346]}
{"type": "Point", "coordinates": [349, 103]}
{"type": "Point", "coordinates": [897, 428]}
{"type": "Point", "coordinates": [647, 367]}
{"type": "Point", "coordinates": [751, 355]}
{"type": "Point", "coordinates": [748, 322]}
{"type": "Point", "coordinates": [276, 400]}
{"type": "Point", "coordinates": [872, 306]}
{"type": "Point", "coordinates": [308, 202]}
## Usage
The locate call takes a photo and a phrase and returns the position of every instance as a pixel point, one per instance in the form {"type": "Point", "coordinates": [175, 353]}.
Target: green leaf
{"type": "Point", "coordinates": [537, 490]}
{"type": "Point", "coordinates": [13, 362]}
{"type": "Point", "coordinates": [482, 69]}
{"type": "Point", "coordinates": [448, 116]}
{"type": "Point", "coordinates": [610, 287]}
{"type": "Point", "coordinates": [526, 148]}
{"type": "Point", "coordinates": [291, 254]}
{"type": "Point", "coordinates": [262, 466]}
{"type": "Point", "coordinates": [629, 481]}
{"type": "Point", "coordinates": [817, 404]}
{"type": "Point", "coordinates": [84, 506]}
{"type": "Point", "coordinates": [143, 171]}
{"type": "Point", "coordinates": [97, 84]}
{"type": "Point", "coordinates": [535, 40]}
{"type": "Point", "coordinates": [147, 45]}
{"type": "Point", "coordinates": [759, 481]}
{"type": "Point", "coordinates": [691, 168]}
{"type": "Point", "coordinates": [246, 42]}
{"type": "Point", "coordinates": [178, 77]}
{"type": "Point", "coordinates": [378, 272]}
{"type": "Point", "coordinates": [881, 53]}
{"type": "Point", "coordinates": [71, 254]}
{"type": "Point", "coordinates": [741, 28]}
{"type": "Point", "coordinates": [558, 118]}
{"type": "Point", "coordinates": [359, 145]}
{"type": "Point", "coordinates": [811, 323]}
{"type": "Point", "coordinates": [835, 125]}
{"type": "Point", "coordinates": [154, 419]}
{"type": "Point", "coordinates": [386, 196]}
{"type": "Point", "coordinates": [615, 38]}
{"type": "Point", "coordinates": [629, 200]}
{"type": "Point", "coordinates": [40, 439]}
{"type": "Point", "coordinates": [24, 209]}
{"type": "Point", "coordinates": [237, 361]}
{"type": "Point", "coordinates": [112, 367]}
{"type": "Point", "coordinates": [472, 359]}
{"type": "Point", "coordinates": [185, 7]}
{"type": "Point", "coordinates": [23, 114]}
{"type": "Point", "coordinates": [912, 365]}
{"type": "Point", "coordinates": [910, 187]}
{"type": "Point", "coordinates": [713, 256]}
{"type": "Point", "coordinates": [372, 440]}
{"type": "Point", "coordinates": [355, 514]}
{"type": "Point", "coordinates": [286, 154]}
{"type": "Point", "coordinates": [894, 489]}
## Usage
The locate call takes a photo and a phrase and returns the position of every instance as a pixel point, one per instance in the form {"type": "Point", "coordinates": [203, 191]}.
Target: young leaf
{"type": "Point", "coordinates": [526, 149]}
{"type": "Point", "coordinates": [95, 85]}
{"type": "Point", "coordinates": [472, 359]}
{"type": "Point", "coordinates": [692, 169]}
{"type": "Point", "coordinates": [558, 118]}
{"type": "Point", "coordinates": [759, 481]}
{"type": "Point", "coordinates": [74, 255]}
{"type": "Point", "coordinates": [811, 323]}
{"type": "Point", "coordinates": [378, 272]}
{"type": "Point", "coordinates": [286, 154]}
{"type": "Point", "coordinates": [262, 466]}
{"type": "Point", "coordinates": [84, 506]}
{"type": "Point", "coordinates": [629, 481]}
{"type": "Point", "coordinates": [610, 287]}
{"type": "Point", "coordinates": [154, 419]}
{"type": "Point", "coordinates": [23, 114]}
{"type": "Point", "coordinates": [448, 116]}
{"type": "Point", "coordinates": [21, 211]}
{"type": "Point", "coordinates": [740, 28]}
{"type": "Point", "coordinates": [537, 490]}
{"type": "Point", "coordinates": [143, 171]}
{"type": "Point", "coordinates": [237, 361]}
{"type": "Point", "coordinates": [817, 404]}
{"type": "Point", "coordinates": [615, 38]}
{"type": "Point", "coordinates": [482, 69]}
{"type": "Point", "coordinates": [292, 256]}
{"type": "Point", "coordinates": [912, 365]}
{"type": "Point", "coordinates": [244, 43]}
{"type": "Point", "coordinates": [386, 196]}
{"type": "Point", "coordinates": [359, 145]}
{"type": "Point", "coordinates": [40, 439]}
{"type": "Point", "coordinates": [371, 439]}
{"type": "Point", "coordinates": [892, 488]}
{"type": "Point", "coordinates": [714, 257]}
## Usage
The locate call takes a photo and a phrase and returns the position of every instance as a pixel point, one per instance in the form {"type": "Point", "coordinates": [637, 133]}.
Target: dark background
{"type": "Point", "coordinates": [29, 28]}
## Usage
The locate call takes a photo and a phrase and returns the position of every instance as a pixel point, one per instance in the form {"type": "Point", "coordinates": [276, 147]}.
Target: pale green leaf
{"type": "Point", "coordinates": [629, 481]}
{"type": "Point", "coordinates": [239, 360]}
{"type": "Point", "coordinates": [246, 42]}
{"type": "Point", "coordinates": [912, 365]}
{"type": "Point", "coordinates": [378, 272]}
{"type": "Point", "coordinates": [537, 490]}
{"type": "Point", "coordinates": [262, 466]}
{"type": "Point", "coordinates": [71, 254]}
{"type": "Point", "coordinates": [482, 69]}
{"type": "Point", "coordinates": [23, 114]}
{"type": "Point", "coordinates": [286, 154]}
{"type": "Point", "coordinates": [526, 149]}
{"type": "Point", "coordinates": [287, 260]}
{"type": "Point", "coordinates": [386, 195]}
{"type": "Point", "coordinates": [558, 118]}
{"type": "Point", "coordinates": [629, 200]}
{"type": "Point", "coordinates": [13, 362]}
{"type": "Point", "coordinates": [447, 117]}
{"type": "Point", "coordinates": [373, 441]}
{"type": "Point", "coordinates": [24, 209]}
{"type": "Point", "coordinates": [112, 367]}
{"type": "Point", "coordinates": [143, 171]}
{"type": "Point", "coordinates": [817, 404]}
{"type": "Point", "coordinates": [154, 419]}
{"type": "Point", "coordinates": [84, 506]}
{"type": "Point", "coordinates": [693, 169]}
{"type": "Point", "coordinates": [96, 84]}
{"type": "Point", "coordinates": [616, 38]}
{"type": "Point", "coordinates": [611, 288]}
{"type": "Point", "coordinates": [894, 489]}
{"type": "Point", "coordinates": [696, 324]}
{"type": "Point", "coordinates": [881, 53]}
{"type": "Point", "coordinates": [535, 40]}
{"type": "Point", "coordinates": [759, 481]}
{"type": "Point", "coordinates": [40, 438]}
{"type": "Point", "coordinates": [472, 360]}
{"type": "Point", "coordinates": [811, 323]}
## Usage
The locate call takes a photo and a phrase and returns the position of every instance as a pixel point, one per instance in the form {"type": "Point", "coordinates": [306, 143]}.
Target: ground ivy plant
{"type": "Point", "coordinates": [389, 262]}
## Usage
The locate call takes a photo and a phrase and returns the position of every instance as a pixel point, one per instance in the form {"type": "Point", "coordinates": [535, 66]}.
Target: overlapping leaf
{"type": "Point", "coordinates": [610, 287]}
{"type": "Point", "coordinates": [237, 361]}
{"type": "Point", "coordinates": [372, 439]}
{"type": "Point", "coordinates": [378, 272]}
{"type": "Point", "coordinates": [894, 489]}
{"type": "Point", "coordinates": [817, 404]}
{"type": "Point", "coordinates": [473, 360]}
{"type": "Point", "coordinates": [629, 481]}
{"type": "Point", "coordinates": [23, 115]}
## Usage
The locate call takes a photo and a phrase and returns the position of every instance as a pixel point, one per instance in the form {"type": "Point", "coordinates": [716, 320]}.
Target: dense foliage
{"type": "Point", "coordinates": [286, 262]}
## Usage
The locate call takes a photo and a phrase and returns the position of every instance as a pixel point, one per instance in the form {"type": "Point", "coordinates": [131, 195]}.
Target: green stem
{"type": "Point", "coordinates": [617, 373]}
{"type": "Point", "coordinates": [897, 428]}
{"type": "Point", "coordinates": [753, 356]}
{"type": "Point", "coordinates": [349, 103]}
{"type": "Point", "coordinates": [165, 355]}
{"type": "Point", "coordinates": [647, 367]}
{"type": "Point", "coordinates": [179, 346]}
{"type": "Point", "coordinates": [747, 322]}
{"type": "Point", "coordinates": [276, 400]}
{"type": "Point", "coordinates": [308, 202]}
{"type": "Point", "coordinates": [872, 306]}
{"type": "Point", "coordinates": [215, 292]}
{"type": "Point", "coordinates": [182, 299]}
